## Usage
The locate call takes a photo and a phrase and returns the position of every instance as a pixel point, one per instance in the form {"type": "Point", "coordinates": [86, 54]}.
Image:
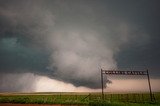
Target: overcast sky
{"type": "Point", "coordinates": [70, 40]}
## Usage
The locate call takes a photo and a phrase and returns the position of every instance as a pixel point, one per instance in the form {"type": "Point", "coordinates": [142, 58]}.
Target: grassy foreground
{"type": "Point", "coordinates": [88, 99]}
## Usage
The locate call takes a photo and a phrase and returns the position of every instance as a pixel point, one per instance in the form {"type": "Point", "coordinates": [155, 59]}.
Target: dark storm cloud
{"type": "Point", "coordinates": [144, 14]}
{"type": "Point", "coordinates": [70, 40]}
{"type": "Point", "coordinates": [15, 56]}
{"type": "Point", "coordinates": [21, 37]}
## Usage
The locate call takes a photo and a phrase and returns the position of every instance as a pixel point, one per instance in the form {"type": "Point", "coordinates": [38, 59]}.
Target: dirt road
{"type": "Point", "coordinates": [6, 104]}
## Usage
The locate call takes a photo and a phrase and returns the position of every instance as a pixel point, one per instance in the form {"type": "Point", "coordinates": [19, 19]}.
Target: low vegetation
{"type": "Point", "coordinates": [81, 99]}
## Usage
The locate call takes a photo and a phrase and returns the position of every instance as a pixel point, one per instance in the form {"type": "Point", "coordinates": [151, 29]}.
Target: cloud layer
{"type": "Point", "coordinates": [66, 40]}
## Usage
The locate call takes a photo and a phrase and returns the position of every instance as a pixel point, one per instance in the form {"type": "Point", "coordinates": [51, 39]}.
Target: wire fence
{"type": "Point", "coordinates": [130, 97]}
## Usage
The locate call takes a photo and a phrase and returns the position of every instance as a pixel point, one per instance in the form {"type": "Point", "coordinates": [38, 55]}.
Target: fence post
{"type": "Point", "coordinates": [142, 98]}
{"type": "Point", "coordinates": [127, 98]}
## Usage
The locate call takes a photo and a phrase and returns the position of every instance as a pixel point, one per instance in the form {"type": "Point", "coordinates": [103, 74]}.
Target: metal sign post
{"type": "Point", "coordinates": [102, 84]}
{"type": "Point", "coordinates": [150, 90]}
{"type": "Point", "coordinates": [118, 72]}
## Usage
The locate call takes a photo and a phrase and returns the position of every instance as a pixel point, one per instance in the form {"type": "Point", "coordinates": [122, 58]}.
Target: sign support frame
{"type": "Point", "coordinates": [118, 72]}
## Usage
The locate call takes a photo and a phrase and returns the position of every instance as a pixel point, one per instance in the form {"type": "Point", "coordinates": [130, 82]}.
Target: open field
{"type": "Point", "coordinates": [89, 99]}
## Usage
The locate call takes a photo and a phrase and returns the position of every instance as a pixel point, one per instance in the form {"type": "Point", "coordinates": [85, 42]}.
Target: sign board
{"type": "Point", "coordinates": [125, 72]}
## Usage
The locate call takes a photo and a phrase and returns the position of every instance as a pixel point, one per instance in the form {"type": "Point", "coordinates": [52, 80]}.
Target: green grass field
{"type": "Point", "coordinates": [89, 99]}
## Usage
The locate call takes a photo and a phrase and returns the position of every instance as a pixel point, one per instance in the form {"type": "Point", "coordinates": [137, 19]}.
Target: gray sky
{"type": "Point", "coordinates": [69, 41]}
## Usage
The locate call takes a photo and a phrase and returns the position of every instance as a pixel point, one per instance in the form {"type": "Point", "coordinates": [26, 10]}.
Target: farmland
{"type": "Point", "coordinates": [91, 99]}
